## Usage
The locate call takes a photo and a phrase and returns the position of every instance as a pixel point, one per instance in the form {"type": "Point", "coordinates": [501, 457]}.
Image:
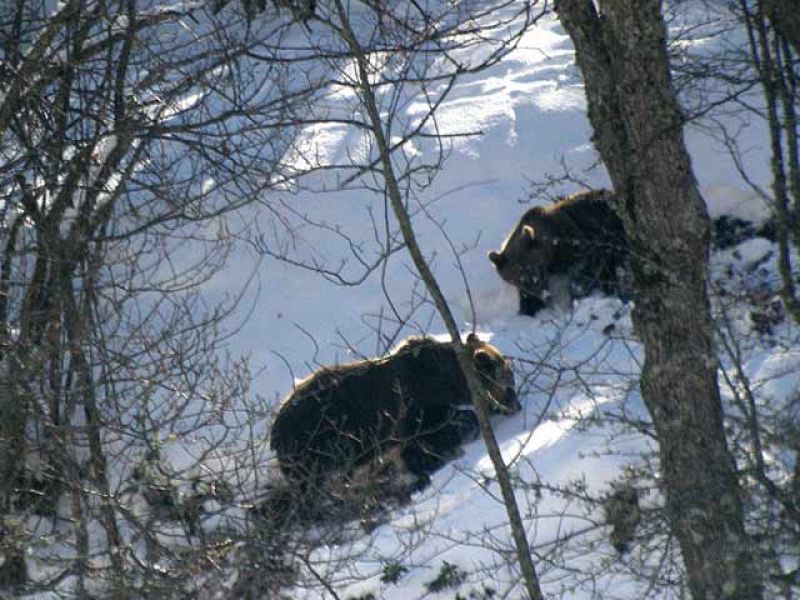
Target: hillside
{"type": "Point", "coordinates": [577, 371]}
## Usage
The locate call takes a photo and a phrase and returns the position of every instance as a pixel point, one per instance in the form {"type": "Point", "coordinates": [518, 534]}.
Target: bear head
{"type": "Point", "coordinates": [526, 255]}
{"type": "Point", "coordinates": [496, 375]}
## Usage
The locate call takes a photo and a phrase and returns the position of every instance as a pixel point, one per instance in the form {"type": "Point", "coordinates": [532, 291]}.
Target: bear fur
{"type": "Point", "coordinates": [564, 251]}
{"type": "Point", "coordinates": [415, 399]}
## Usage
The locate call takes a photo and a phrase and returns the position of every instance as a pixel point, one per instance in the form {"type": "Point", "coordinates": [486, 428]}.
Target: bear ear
{"type": "Point", "coordinates": [473, 341]}
{"type": "Point", "coordinates": [528, 234]}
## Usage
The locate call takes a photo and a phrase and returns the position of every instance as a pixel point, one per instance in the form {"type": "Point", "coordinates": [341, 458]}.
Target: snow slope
{"type": "Point", "coordinates": [531, 113]}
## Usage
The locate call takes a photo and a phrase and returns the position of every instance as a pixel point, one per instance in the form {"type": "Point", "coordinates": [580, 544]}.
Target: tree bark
{"type": "Point", "coordinates": [621, 51]}
{"type": "Point", "coordinates": [785, 17]}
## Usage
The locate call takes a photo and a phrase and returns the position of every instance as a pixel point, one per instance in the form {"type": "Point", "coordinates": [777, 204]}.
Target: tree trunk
{"type": "Point", "coordinates": [785, 17]}
{"type": "Point", "coordinates": [638, 132]}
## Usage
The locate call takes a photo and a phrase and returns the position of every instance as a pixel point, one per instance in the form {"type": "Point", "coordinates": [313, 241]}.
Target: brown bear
{"type": "Point", "coordinates": [564, 251]}
{"type": "Point", "coordinates": [415, 399]}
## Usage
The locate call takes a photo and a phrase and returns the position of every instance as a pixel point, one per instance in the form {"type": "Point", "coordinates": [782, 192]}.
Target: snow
{"type": "Point", "coordinates": [530, 112]}
{"type": "Point", "coordinates": [527, 117]}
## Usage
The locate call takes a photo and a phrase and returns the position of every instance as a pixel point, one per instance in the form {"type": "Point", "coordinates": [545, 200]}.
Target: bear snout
{"type": "Point", "coordinates": [508, 405]}
{"type": "Point", "coordinates": [533, 279]}
{"type": "Point", "coordinates": [511, 401]}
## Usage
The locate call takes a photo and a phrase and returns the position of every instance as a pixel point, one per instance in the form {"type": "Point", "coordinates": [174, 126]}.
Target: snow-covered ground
{"type": "Point", "coordinates": [530, 111]}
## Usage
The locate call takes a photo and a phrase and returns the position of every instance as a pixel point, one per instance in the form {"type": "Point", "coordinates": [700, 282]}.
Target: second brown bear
{"type": "Point", "coordinates": [564, 251]}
